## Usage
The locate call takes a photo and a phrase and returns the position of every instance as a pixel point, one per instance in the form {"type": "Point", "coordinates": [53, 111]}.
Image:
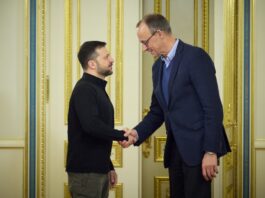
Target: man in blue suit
{"type": "Point", "coordinates": [185, 97]}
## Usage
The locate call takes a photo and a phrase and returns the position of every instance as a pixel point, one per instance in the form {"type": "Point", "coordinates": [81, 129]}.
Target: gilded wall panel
{"type": "Point", "coordinates": [161, 187]}
{"type": "Point", "coordinates": [231, 102]}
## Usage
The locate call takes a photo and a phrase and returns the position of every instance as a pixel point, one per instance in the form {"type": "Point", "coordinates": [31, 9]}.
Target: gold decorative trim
{"type": "Point", "coordinates": [205, 26]}
{"type": "Point", "coordinates": [78, 68]}
{"type": "Point", "coordinates": [118, 190]}
{"type": "Point", "coordinates": [66, 191]}
{"type": "Point", "coordinates": [196, 31]}
{"type": "Point", "coordinates": [26, 65]}
{"type": "Point", "coordinates": [67, 57]}
{"type": "Point", "coordinates": [108, 88]}
{"type": "Point", "coordinates": [147, 144]}
{"type": "Point", "coordinates": [65, 152]}
{"type": "Point", "coordinates": [168, 10]}
{"type": "Point", "coordinates": [11, 147]}
{"type": "Point", "coordinates": [47, 79]}
{"type": "Point", "coordinates": [116, 155]}
{"type": "Point", "coordinates": [252, 96]}
{"type": "Point", "coordinates": [159, 148]}
{"type": "Point", "coordinates": [158, 181]}
{"type": "Point", "coordinates": [109, 25]}
{"type": "Point", "coordinates": [119, 64]}
{"type": "Point", "coordinates": [157, 6]}
{"type": "Point", "coordinates": [230, 163]}
{"type": "Point", "coordinates": [41, 98]}
{"type": "Point", "coordinates": [230, 64]}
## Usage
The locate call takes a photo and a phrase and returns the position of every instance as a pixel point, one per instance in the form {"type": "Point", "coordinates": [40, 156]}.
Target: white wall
{"type": "Point", "coordinates": [12, 98]}
{"type": "Point", "coordinates": [259, 95]}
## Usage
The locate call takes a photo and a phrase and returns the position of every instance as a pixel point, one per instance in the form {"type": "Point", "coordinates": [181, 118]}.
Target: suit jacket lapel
{"type": "Point", "coordinates": [175, 66]}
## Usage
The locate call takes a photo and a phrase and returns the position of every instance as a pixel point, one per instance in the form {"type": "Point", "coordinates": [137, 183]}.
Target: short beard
{"type": "Point", "coordinates": [103, 72]}
{"type": "Point", "coordinates": [106, 73]}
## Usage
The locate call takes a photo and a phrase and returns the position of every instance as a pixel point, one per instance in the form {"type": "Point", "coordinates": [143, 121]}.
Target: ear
{"type": "Point", "coordinates": [91, 64]}
{"type": "Point", "coordinates": [160, 33]}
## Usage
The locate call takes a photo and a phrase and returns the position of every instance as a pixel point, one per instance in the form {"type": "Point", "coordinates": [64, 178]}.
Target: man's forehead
{"type": "Point", "coordinates": [102, 52]}
{"type": "Point", "coordinates": [143, 30]}
{"type": "Point", "coordinates": [143, 27]}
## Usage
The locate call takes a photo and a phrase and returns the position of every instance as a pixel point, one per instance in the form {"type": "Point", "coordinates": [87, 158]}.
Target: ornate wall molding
{"type": "Point", "coordinates": [232, 104]}
{"type": "Point", "coordinates": [157, 6]}
{"type": "Point", "coordinates": [42, 97]}
{"type": "Point", "coordinates": [259, 144]}
{"type": "Point", "coordinates": [205, 27]}
{"type": "Point", "coordinates": [118, 190]}
{"type": "Point", "coordinates": [78, 36]}
{"type": "Point", "coordinates": [12, 144]}
{"type": "Point", "coordinates": [168, 10]}
{"type": "Point", "coordinates": [109, 18]}
{"type": "Point", "coordinates": [159, 147]}
{"type": "Point", "coordinates": [67, 56]}
{"type": "Point", "coordinates": [116, 155]}
{"type": "Point", "coordinates": [161, 187]}
{"type": "Point", "coordinates": [119, 63]}
{"type": "Point", "coordinates": [195, 41]}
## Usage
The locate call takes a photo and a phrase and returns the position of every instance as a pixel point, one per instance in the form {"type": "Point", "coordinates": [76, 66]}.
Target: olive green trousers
{"type": "Point", "coordinates": [88, 185]}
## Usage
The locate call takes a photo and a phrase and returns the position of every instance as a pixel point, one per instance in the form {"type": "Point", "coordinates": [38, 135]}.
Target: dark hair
{"type": "Point", "coordinates": [155, 22]}
{"type": "Point", "coordinates": [88, 52]}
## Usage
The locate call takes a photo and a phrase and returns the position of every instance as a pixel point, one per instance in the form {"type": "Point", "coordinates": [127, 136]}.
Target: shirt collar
{"type": "Point", "coordinates": [95, 80]}
{"type": "Point", "coordinates": [171, 54]}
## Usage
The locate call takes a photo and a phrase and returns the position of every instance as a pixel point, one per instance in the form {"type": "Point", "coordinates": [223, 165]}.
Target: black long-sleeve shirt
{"type": "Point", "coordinates": [90, 127]}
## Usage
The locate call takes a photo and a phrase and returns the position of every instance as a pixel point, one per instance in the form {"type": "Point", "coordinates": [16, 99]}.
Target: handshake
{"type": "Point", "coordinates": [132, 137]}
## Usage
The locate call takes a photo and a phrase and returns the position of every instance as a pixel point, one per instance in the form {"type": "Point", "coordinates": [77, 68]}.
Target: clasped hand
{"type": "Point", "coordinates": [132, 137]}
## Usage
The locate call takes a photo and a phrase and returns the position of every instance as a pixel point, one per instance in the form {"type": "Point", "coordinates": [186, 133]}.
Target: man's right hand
{"type": "Point", "coordinates": [132, 137]}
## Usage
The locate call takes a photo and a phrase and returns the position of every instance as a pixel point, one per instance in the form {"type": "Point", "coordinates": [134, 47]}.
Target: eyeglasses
{"type": "Point", "coordinates": [147, 40]}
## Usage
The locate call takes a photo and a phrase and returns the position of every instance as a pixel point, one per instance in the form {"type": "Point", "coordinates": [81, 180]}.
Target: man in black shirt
{"type": "Point", "coordinates": [91, 126]}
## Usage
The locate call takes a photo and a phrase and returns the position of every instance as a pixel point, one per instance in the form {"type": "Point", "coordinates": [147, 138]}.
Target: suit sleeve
{"type": "Point", "coordinates": [85, 103]}
{"type": "Point", "coordinates": [202, 73]}
{"type": "Point", "coordinates": [155, 117]}
{"type": "Point", "coordinates": [151, 122]}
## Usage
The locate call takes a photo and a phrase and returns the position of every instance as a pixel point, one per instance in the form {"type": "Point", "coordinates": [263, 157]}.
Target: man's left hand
{"type": "Point", "coordinates": [113, 178]}
{"type": "Point", "coordinates": [209, 166]}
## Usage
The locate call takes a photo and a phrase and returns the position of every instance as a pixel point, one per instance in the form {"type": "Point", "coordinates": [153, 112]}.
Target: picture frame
{"type": "Point", "coordinates": [66, 191]}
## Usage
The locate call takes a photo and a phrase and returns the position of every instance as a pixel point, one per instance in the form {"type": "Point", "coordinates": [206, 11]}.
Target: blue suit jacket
{"type": "Point", "coordinates": [194, 112]}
